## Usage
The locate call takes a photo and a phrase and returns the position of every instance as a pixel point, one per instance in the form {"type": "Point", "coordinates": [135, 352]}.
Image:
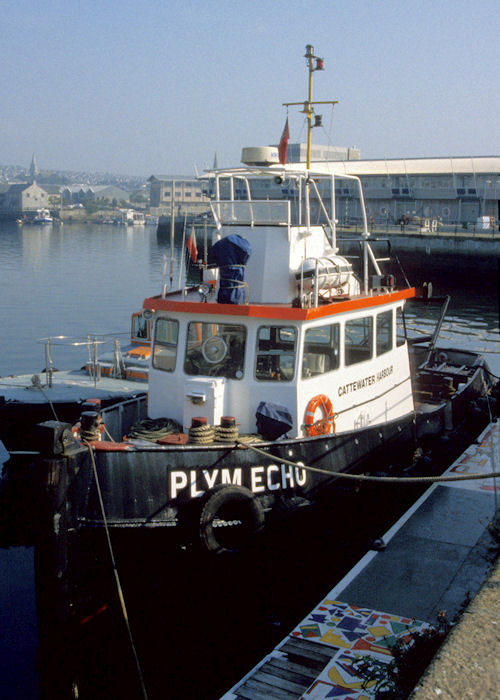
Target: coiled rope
{"type": "Point", "coordinates": [154, 428]}
{"type": "Point", "coordinates": [226, 433]}
{"type": "Point", "coordinates": [201, 434]}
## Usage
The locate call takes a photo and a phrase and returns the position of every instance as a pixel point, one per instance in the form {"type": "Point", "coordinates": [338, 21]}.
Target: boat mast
{"type": "Point", "coordinates": [308, 110]}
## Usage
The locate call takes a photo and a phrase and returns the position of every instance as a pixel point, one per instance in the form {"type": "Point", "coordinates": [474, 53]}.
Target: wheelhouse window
{"type": "Point", "coordinates": [215, 350]}
{"type": "Point", "coordinates": [384, 332]}
{"type": "Point", "coordinates": [165, 345]}
{"type": "Point", "coordinates": [140, 329]}
{"type": "Point", "coordinates": [321, 350]}
{"type": "Point", "coordinates": [358, 342]}
{"type": "Point", "coordinates": [400, 327]}
{"type": "Point", "coordinates": [276, 351]}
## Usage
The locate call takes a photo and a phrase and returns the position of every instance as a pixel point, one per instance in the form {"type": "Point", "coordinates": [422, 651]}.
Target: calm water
{"type": "Point", "coordinates": [85, 278]}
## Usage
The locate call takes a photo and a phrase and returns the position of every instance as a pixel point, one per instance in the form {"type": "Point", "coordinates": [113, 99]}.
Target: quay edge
{"type": "Point", "coordinates": [433, 576]}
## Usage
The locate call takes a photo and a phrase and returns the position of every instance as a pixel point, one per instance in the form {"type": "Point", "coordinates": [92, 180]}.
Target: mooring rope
{"type": "Point", "coordinates": [369, 477]}
{"type": "Point", "coordinates": [115, 572]}
{"type": "Point", "coordinates": [111, 438]}
{"type": "Point", "coordinates": [48, 399]}
{"type": "Point", "coordinates": [35, 385]}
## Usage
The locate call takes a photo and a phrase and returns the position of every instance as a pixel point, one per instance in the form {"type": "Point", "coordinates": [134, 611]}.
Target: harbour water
{"type": "Point", "coordinates": [84, 278]}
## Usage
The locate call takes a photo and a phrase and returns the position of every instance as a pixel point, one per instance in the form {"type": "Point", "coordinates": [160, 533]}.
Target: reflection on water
{"type": "Point", "coordinates": [73, 280]}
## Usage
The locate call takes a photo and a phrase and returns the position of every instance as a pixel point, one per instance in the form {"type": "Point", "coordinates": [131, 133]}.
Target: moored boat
{"type": "Point", "coordinates": [42, 217]}
{"type": "Point", "coordinates": [108, 376]}
{"type": "Point", "coordinates": [289, 365]}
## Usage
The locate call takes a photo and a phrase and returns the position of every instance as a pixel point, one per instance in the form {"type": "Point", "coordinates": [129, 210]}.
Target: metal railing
{"type": "Point", "coordinates": [92, 342]}
{"type": "Point", "coordinates": [438, 229]}
{"type": "Point", "coordinates": [251, 212]}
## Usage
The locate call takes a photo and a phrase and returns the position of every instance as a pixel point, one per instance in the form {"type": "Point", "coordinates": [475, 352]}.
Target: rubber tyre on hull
{"type": "Point", "coordinates": [230, 518]}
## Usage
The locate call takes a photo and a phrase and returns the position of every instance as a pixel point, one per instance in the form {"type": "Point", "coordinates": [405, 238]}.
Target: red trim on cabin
{"type": "Point", "coordinates": [286, 313]}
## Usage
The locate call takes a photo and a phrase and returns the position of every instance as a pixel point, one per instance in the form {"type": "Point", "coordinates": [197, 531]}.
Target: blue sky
{"type": "Point", "coordinates": [158, 87]}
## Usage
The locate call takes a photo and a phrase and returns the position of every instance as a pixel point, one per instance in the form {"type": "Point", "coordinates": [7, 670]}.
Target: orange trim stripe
{"type": "Point", "coordinates": [287, 313]}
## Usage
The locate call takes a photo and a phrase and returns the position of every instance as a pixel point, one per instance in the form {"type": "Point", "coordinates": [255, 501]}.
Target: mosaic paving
{"type": "Point", "coordinates": [480, 459]}
{"type": "Point", "coordinates": [359, 634]}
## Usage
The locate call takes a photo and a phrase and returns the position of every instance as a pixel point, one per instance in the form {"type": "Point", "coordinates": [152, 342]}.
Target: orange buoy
{"type": "Point", "coordinates": [324, 425]}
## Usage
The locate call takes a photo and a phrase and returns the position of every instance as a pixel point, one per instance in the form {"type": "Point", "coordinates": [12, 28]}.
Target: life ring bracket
{"type": "Point", "coordinates": [324, 425]}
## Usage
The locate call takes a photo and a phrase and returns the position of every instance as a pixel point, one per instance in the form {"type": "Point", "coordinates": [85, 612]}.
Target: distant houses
{"type": "Point", "coordinates": [80, 194]}
{"type": "Point", "coordinates": [21, 200]}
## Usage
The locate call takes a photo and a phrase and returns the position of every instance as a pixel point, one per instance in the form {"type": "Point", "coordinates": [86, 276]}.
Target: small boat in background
{"type": "Point", "coordinates": [112, 373]}
{"type": "Point", "coordinates": [42, 217]}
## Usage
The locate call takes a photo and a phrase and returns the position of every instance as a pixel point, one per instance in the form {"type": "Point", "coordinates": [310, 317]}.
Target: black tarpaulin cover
{"type": "Point", "coordinates": [231, 254]}
{"type": "Point", "coordinates": [273, 420]}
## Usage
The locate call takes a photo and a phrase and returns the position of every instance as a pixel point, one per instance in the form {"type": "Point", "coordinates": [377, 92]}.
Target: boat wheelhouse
{"type": "Point", "coordinates": [306, 334]}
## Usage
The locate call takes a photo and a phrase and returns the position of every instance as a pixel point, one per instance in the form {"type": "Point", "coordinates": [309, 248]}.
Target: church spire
{"type": "Point", "coordinates": [33, 169]}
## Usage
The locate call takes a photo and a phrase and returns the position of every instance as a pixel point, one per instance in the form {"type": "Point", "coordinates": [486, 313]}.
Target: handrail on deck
{"type": "Point", "coordinates": [92, 341]}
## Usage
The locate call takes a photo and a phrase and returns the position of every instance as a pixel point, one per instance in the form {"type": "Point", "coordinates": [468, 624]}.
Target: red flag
{"type": "Point", "coordinates": [284, 143]}
{"type": "Point", "coordinates": [191, 246]}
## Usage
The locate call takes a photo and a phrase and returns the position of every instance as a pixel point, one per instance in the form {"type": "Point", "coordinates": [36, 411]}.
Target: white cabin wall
{"type": "Point", "coordinates": [167, 390]}
{"type": "Point", "coordinates": [243, 396]}
{"type": "Point", "coordinates": [372, 404]}
{"type": "Point", "coordinates": [269, 271]}
{"type": "Point", "coordinates": [366, 409]}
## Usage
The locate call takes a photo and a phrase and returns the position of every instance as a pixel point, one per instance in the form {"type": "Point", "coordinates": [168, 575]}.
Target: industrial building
{"type": "Point", "coordinates": [450, 190]}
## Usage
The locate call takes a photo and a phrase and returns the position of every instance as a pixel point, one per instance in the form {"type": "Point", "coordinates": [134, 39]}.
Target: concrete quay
{"type": "Point", "coordinates": [449, 241]}
{"type": "Point", "coordinates": [377, 633]}
{"type": "Point", "coordinates": [468, 663]}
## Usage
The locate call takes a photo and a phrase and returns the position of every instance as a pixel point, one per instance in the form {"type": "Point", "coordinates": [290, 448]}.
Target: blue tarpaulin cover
{"type": "Point", "coordinates": [273, 420]}
{"type": "Point", "coordinates": [231, 254]}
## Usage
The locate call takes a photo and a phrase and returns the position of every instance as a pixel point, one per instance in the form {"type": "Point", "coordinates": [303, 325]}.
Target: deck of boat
{"type": "Point", "coordinates": [67, 385]}
{"type": "Point", "coordinates": [436, 558]}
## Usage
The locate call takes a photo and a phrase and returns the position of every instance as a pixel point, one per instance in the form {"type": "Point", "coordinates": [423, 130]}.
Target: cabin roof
{"type": "Point", "coordinates": [182, 304]}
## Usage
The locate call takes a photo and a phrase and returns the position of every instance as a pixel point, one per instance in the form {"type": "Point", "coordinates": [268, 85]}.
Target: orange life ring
{"type": "Point", "coordinates": [326, 424]}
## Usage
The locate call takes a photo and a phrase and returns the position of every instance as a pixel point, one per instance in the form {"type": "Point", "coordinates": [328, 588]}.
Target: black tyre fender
{"type": "Point", "coordinates": [232, 503]}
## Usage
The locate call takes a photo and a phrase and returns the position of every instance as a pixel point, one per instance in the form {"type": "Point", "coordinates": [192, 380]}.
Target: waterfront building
{"type": "Point", "coordinates": [188, 194]}
{"type": "Point", "coordinates": [449, 189]}
{"type": "Point", "coordinates": [297, 153]}
{"type": "Point", "coordinates": [22, 198]}
{"type": "Point", "coordinates": [79, 194]}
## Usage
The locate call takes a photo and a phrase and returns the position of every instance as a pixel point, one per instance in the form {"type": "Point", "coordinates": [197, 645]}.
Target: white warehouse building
{"type": "Point", "coordinates": [450, 189]}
